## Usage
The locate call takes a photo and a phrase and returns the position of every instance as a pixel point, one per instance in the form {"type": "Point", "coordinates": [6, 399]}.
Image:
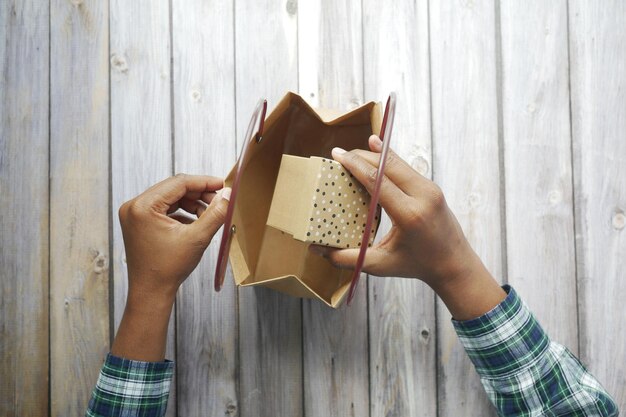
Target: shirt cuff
{"type": "Point", "coordinates": [125, 386]}
{"type": "Point", "coordinates": [504, 340]}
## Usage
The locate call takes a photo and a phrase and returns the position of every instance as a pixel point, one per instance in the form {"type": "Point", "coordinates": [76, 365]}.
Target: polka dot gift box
{"type": "Point", "coordinates": [317, 200]}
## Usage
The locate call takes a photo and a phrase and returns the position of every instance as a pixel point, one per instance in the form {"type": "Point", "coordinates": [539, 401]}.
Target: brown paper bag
{"type": "Point", "coordinates": [261, 254]}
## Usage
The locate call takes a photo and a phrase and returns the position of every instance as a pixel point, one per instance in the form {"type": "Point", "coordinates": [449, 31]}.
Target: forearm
{"type": "Point", "coordinates": [142, 333]}
{"type": "Point", "coordinates": [135, 378]}
{"type": "Point", "coordinates": [523, 372]}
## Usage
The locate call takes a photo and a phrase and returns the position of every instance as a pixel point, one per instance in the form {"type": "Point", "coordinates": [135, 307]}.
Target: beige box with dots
{"type": "Point", "coordinates": [317, 200]}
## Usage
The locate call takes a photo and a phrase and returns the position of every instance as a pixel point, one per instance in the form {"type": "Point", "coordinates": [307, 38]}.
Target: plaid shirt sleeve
{"type": "Point", "coordinates": [523, 372]}
{"type": "Point", "coordinates": [131, 388]}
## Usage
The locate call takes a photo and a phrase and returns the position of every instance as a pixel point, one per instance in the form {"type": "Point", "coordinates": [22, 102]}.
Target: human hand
{"type": "Point", "coordinates": [164, 247]}
{"type": "Point", "coordinates": [425, 240]}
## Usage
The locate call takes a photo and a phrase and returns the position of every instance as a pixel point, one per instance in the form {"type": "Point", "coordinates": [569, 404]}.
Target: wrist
{"type": "Point", "coordinates": [150, 290]}
{"type": "Point", "coordinates": [469, 290]}
{"type": "Point", "coordinates": [458, 271]}
{"type": "Point", "coordinates": [149, 302]}
{"type": "Point", "coordinates": [142, 332]}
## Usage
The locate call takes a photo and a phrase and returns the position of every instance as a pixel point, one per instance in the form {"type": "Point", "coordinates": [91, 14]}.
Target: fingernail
{"type": "Point", "coordinates": [338, 151]}
{"type": "Point", "coordinates": [225, 193]}
{"type": "Point", "coordinates": [218, 195]}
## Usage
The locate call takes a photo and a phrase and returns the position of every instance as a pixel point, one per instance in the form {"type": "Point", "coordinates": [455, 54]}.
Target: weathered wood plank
{"type": "Point", "coordinates": [401, 311]}
{"type": "Point", "coordinates": [79, 201]}
{"type": "Point", "coordinates": [336, 357]}
{"type": "Point", "coordinates": [270, 323]}
{"type": "Point", "coordinates": [140, 124]}
{"type": "Point", "coordinates": [537, 159]}
{"type": "Point", "coordinates": [598, 94]}
{"type": "Point", "coordinates": [330, 53]}
{"type": "Point", "coordinates": [24, 207]}
{"type": "Point", "coordinates": [204, 120]}
{"type": "Point", "coordinates": [465, 165]}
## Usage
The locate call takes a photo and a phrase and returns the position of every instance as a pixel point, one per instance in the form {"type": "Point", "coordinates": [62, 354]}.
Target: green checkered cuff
{"type": "Point", "coordinates": [127, 387]}
{"type": "Point", "coordinates": [503, 340]}
{"type": "Point", "coordinates": [524, 373]}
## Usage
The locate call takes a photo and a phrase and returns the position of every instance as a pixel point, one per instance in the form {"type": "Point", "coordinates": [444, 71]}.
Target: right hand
{"type": "Point", "coordinates": [425, 240]}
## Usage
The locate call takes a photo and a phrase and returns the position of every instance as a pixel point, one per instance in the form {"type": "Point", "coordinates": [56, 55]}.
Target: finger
{"type": "Point", "coordinates": [201, 209]}
{"type": "Point", "coordinates": [207, 197]}
{"type": "Point", "coordinates": [373, 263]}
{"type": "Point", "coordinates": [181, 217]}
{"type": "Point", "coordinates": [396, 168]}
{"type": "Point", "coordinates": [196, 207]}
{"type": "Point", "coordinates": [166, 193]}
{"type": "Point", "coordinates": [391, 197]}
{"type": "Point", "coordinates": [189, 205]}
{"type": "Point", "coordinates": [213, 217]}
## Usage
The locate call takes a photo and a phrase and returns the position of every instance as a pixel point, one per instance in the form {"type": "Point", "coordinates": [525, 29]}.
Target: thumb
{"type": "Point", "coordinates": [346, 258]}
{"type": "Point", "coordinates": [213, 217]}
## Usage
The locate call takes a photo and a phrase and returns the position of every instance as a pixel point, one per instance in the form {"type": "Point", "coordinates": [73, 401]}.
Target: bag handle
{"type": "Point", "coordinates": [385, 137]}
{"type": "Point", "coordinates": [252, 135]}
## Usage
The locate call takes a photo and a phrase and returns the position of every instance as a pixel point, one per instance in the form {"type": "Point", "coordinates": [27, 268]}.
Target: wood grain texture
{"type": "Point", "coordinates": [204, 120]}
{"type": "Point", "coordinates": [79, 200]}
{"type": "Point", "coordinates": [598, 85]}
{"type": "Point", "coordinates": [465, 165]}
{"type": "Point", "coordinates": [541, 257]}
{"type": "Point", "coordinates": [330, 53]}
{"type": "Point", "coordinates": [545, 207]}
{"type": "Point", "coordinates": [141, 134]}
{"type": "Point", "coordinates": [270, 323]}
{"type": "Point", "coordinates": [336, 361]}
{"type": "Point", "coordinates": [270, 353]}
{"type": "Point", "coordinates": [401, 311]}
{"type": "Point", "coordinates": [336, 357]}
{"type": "Point", "coordinates": [24, 204]}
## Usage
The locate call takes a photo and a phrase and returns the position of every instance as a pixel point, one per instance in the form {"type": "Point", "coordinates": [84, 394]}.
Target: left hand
{"type": "Point", "coordinates": [163, 248]}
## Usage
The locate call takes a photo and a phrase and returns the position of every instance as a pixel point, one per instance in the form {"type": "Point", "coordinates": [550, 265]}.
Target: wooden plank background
{"type": "Point", "coordinates": [24, 208]}
{"type": "Point", "coordinates": [270, 323]}
{"type": "Point", "coordinates": [79, 200]}
{"type": "Point", "coordinates": [139, 66]}
{"type": "Point", "coordinates": [517, 110]}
